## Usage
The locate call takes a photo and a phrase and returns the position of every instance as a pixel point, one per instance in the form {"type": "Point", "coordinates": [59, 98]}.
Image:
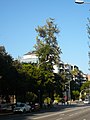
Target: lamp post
{"type": "Point", "coordinates": [69, 83]}
{"type": "Point", "coordinates": [39, 97]}
{"type": "Point", "coordinates": [69, 96]}
{"type": "Point", "coordinates": [81, 2]}
{"type": "Point", "coordinates": [69, 89]}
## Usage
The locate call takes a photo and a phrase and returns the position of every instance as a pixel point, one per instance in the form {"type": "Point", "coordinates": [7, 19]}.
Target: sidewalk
{"type": "Point", "coordinates": [6, 113]}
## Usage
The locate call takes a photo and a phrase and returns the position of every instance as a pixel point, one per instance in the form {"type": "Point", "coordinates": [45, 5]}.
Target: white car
{"type": "Point", "coordinates": [86, 101]}
{"type": "Point", "coordinates": [22, 107]}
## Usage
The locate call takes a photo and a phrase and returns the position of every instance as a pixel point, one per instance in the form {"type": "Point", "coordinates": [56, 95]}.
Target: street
{"type": "Point", "coordinates": [72, 113]}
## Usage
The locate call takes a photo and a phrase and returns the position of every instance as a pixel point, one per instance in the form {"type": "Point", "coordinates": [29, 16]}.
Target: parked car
{"type": "Point", "coordinates": [22, 107]}
{"type": "Point", "coordinates": [86, 101]}
{"type": "Point", "coordinates": [5, 107]}
{"type": "Point", "coordinates": [35, 107]}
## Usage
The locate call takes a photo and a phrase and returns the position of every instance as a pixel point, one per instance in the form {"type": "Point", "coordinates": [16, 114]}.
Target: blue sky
{"type": "Point", "coordinates": [19, 18]}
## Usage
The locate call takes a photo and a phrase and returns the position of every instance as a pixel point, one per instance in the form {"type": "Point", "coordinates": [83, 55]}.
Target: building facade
{"type": "Point", "coordinates": [29, 57]}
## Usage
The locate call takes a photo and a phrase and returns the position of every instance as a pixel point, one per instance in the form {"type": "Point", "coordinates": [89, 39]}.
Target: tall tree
{"type": "Point", "coordinates": [88, 31]}
{"type": "Point", "coordinates": [48, 51]}
{"type": "Point", "coordinates": [47, 47]}
{"type": "Point", "coordinates": [6, 73]}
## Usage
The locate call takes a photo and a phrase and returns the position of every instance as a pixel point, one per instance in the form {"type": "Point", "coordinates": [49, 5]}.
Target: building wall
{"type": "Point", "coordinates": [29, 58]}
{"type": "Point", "coordinates": [88, 76]}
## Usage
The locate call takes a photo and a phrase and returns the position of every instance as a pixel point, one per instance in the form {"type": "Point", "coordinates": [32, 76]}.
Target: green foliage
{"type": "Point", "coordinates": [47, 100]}
{"type": "Point", "coordinates": [83, 97]}
{"type": "Point", "coordinates": [85, 85]}
{"type": "Point", "coordinates": [31, 97]}
{"type": "Point", "coordinates": [48, 52]}
{"type": "Point", "coordinates": [8, 74]}
{"type": "Point", "coordinates": [76, 94]}
{"type": "Point", "coordinates": [47, 47]}
{"type": "Point", "coordinates": [75, 72]}
{"type": "Point", "coordinates": [57, 97]}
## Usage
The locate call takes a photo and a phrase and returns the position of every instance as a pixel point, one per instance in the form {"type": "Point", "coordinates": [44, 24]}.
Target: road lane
{"type": "Point", "coordinates": [72, 114]}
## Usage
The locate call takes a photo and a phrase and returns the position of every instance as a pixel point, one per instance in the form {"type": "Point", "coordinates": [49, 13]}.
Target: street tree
{"type": "Point", "coordinates": [28, 81]}
{"type": "Point", "coordinates": [7, 74]}
{"type": "Point", "coordinates": [85, 86]}
{"type": "Point", "coordinates": [85, 89]}
{"type": "Point", "coordinates": [48, 52]}
{"type": "Point", "coordinates": [88, 31]}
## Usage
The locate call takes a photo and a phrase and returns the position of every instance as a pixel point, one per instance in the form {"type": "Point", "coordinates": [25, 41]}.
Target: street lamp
{"type": "Point", "coordinates": [81, 2]}
{"type": "Point", "coordinates": [39, 97]}
{"type": "Point", "coordinates": [70, 79]}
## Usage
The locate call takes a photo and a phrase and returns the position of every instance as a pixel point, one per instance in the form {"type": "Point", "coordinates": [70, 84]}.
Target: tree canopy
{"type": "Point", "coordinates": [48, 50]}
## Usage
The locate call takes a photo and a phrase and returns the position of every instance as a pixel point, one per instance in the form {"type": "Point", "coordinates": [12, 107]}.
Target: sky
{"type": "Point", "coordinates": [19, 18]}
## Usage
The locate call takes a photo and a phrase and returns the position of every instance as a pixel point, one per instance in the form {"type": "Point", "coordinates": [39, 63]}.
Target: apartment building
{"type": "Point", "coordinates": [80, 77]}
{"type": "Point", "coordinates": [29, 57]}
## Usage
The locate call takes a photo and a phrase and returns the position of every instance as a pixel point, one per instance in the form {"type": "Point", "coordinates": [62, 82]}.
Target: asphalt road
{"type": "Point", "coordinates": [72, 113]}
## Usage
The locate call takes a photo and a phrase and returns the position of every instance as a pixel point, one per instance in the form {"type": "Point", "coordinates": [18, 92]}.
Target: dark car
{"type": "Point", "coordinates": [35, 107]}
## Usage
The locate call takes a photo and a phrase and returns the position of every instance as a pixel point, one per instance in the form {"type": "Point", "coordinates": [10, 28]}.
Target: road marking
{"type": "Point", "coordinates": [59, 119]}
